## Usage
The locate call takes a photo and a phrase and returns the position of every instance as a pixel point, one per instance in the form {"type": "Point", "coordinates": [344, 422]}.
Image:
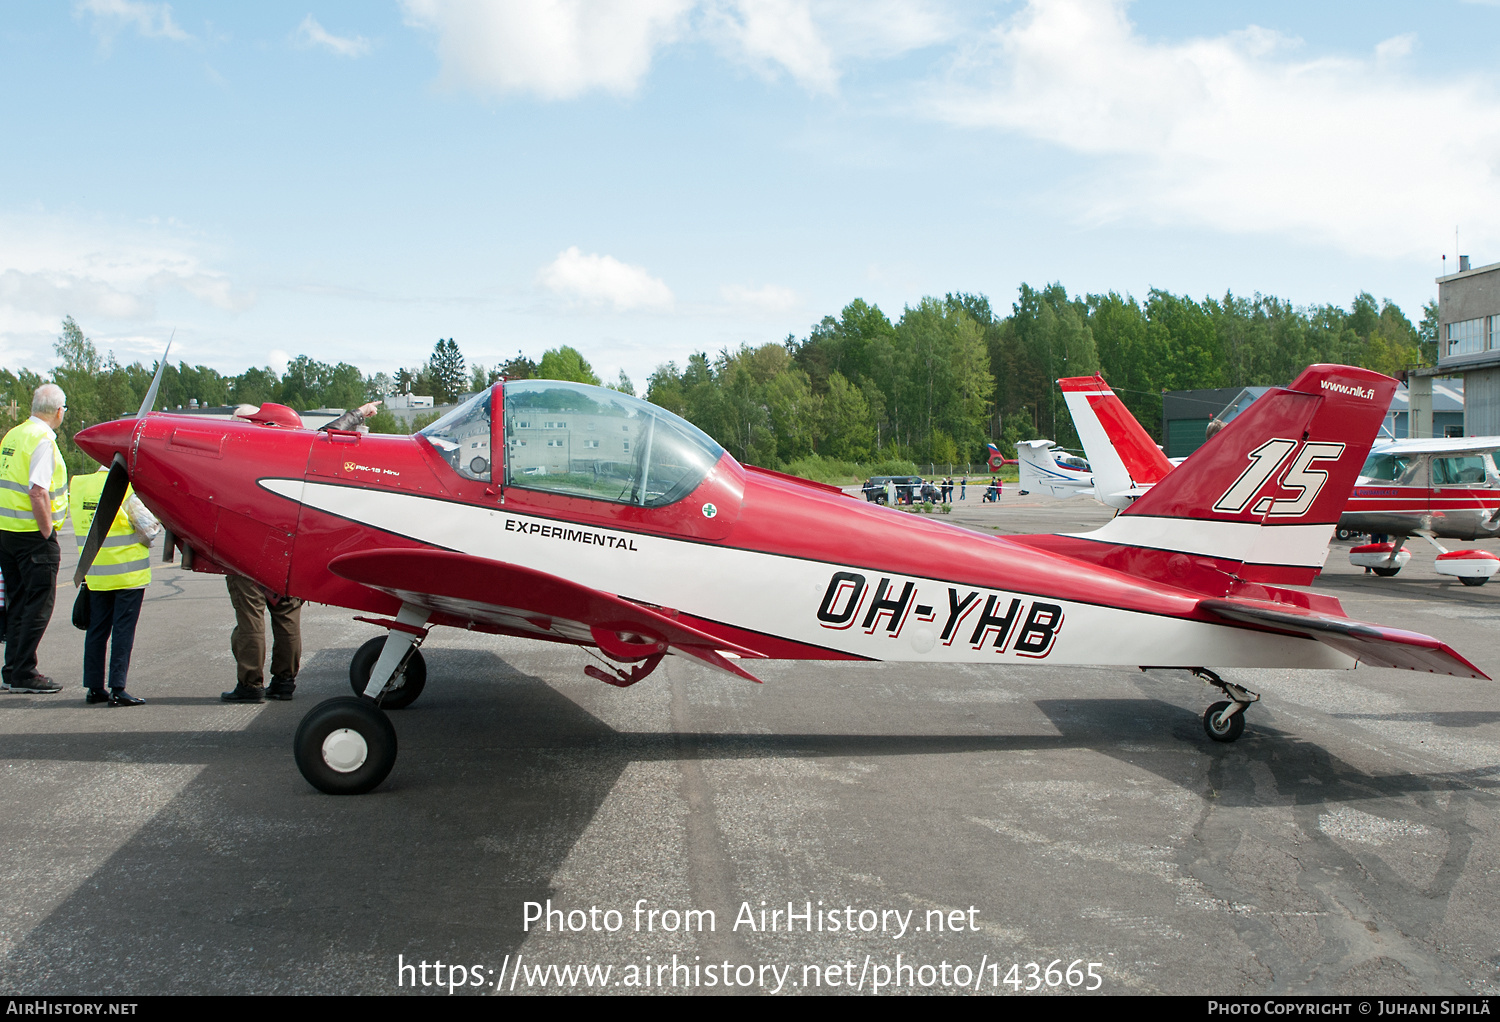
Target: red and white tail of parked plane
{"type": "Point", "coordinates": [1124, 459]}
{"type": "Point", "coordinates": [1417, 500]}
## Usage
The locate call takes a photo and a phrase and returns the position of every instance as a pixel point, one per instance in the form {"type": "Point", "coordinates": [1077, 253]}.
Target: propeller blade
{"type": "Point", "coordinates": [155, 382]}
{"type": "Point", "coordinates": [110, 500]}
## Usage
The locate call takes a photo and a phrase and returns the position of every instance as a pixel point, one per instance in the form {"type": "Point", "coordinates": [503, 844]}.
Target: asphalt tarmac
{"type": "Point", "coordinates": [931, 826]}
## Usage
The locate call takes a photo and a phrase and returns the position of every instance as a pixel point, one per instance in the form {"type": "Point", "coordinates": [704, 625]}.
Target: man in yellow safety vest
{"type": "Point", "coordinates": [33, 503]}
{"type": "Point", "coordinates": [116, 585]}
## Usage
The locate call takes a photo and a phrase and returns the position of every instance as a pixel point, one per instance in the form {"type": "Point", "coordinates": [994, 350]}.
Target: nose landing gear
{"type": "Point", "coordinates": [347, 746]}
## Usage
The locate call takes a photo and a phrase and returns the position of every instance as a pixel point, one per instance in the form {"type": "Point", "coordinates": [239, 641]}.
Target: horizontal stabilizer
{"type": "Point", "coordinates": [494, 592]}
{"type": "Point", "coordinates": [1370, 644]}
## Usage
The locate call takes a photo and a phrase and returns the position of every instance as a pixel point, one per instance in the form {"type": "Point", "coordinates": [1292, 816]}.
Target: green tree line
{"type": "Point", "coordinates": [950, 374]}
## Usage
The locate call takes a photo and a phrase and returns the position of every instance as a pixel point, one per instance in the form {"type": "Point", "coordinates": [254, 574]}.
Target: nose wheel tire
{"type": "Point", "coordinates": [1473, 580]}
{"type": "Point", "coordinates": [345, 746]}
{"type": "Point", "coordinates": [1225, 731]}
{"type": "Point", "coordinates": [402, 690]}
{"type": "Point", "coordinates": [1386, 572]}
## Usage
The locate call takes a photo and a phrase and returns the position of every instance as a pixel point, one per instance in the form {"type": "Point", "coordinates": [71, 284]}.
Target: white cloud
{"type": "Point", "coordinates": [560, 49]}
{"type": "Point", "coordinates": [777, 33]}
{"type": "Point", "coordinates": [604, 280]}
{"type": "Point", "coordinates": [310, 33]}
{"type": "Point", "coordinates": [152, 20]}
{"type": "Point", "coordinates": [768, 298]}
{"type": "Point", "coordinates": [277, 360]}
{"type": "Point", "coordinates": [808, 39]}
{"type": "Point", "coordinates": [884, 28]}
{"type": "Point", "coordinates": [556, 49]}
{"type": "Point", "coordinates": [105, 276]}
{"type": "Point", "coordinates": [1396, 47]}
{"type": "Point", "coordinates": [1237, 132]}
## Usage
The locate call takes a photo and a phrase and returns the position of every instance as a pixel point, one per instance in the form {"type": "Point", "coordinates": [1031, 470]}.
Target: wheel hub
{"type": "Point", "coordinates": [345, 750]}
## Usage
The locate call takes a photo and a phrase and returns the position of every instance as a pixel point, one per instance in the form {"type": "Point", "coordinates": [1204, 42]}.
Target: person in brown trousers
{"type": "Point", "coordinates": [248, 642]}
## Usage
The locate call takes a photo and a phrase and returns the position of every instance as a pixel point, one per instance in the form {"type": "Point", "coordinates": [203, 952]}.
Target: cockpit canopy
{"type": "Point", "coordinates": [578, 440]}
{"type": "Point", "coordinates": [462, 437]}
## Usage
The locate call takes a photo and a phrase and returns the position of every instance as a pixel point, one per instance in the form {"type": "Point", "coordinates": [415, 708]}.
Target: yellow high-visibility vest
{"type": "Point", "coordinates": [123, 562]}
{"type": "Point", "coordinates": [15, 478]}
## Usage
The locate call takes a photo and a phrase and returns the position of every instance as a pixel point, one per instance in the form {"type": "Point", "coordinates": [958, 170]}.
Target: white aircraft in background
{"type": "Point", "coordinates": [1047, 468]}
{"type": "Point", "coordinates": [1445, 487]}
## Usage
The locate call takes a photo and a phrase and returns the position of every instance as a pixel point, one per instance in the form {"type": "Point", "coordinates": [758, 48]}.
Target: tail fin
{"type": "Point", "coordinates": [1262, 497]}
{"type": "Point", "coordinates": [1124, 458]}
{"type": "Point", "coordinates": [994, 460]}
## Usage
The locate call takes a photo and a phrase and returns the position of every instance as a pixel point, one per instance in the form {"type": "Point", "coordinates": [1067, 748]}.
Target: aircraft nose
{"type": "Point", "coordinates": [103, 440]}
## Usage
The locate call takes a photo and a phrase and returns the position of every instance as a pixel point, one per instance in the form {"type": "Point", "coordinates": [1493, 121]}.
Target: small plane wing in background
{"type": "Point", "coordinates": [1375, 645]}
{"type": "Point", "coordinates": [524, 600]}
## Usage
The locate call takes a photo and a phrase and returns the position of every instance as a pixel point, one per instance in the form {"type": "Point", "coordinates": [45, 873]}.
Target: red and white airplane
{"type": "Point", "coordinates": [575, 514]}
{"type": "Point", "coordinates": [1444, 488]}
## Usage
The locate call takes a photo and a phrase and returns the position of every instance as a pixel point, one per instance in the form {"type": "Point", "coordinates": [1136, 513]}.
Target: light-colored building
{"type": "Point", "coordinates": [1468, 347]}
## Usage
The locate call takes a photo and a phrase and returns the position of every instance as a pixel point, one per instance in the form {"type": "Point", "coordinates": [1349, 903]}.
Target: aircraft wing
{"type": "Point", "coordinates": [1438, 445]}
{"type": "Point", "coordinates": [1375, 645]}
{"type": "Point", "coordinates": [494, 592]}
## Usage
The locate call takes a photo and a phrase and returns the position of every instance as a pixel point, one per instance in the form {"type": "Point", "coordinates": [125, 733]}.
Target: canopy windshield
{"type": "Point", "coordinates": [462, 437]}
{"type": "Point", "coordinates": [592, 442]}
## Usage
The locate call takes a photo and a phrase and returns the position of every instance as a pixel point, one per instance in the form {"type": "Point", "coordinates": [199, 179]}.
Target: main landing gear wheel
{"type": "Point", "coordinates": [403, 688]}
{"type": "Point", "coordinates": [1473, 580]}
{"type": "Point", "coordinates": [1223, 731]}
{"type": "Point", "coordinates": [1386, 572]}
{"type": "Point", "coordinates": [345, 746]}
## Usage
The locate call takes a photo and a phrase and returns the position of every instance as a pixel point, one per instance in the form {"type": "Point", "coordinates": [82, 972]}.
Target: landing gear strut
{"type": "Point", "coordinates": [405, 685]}
{"type": "Point", "coordinates": [1225, 720]}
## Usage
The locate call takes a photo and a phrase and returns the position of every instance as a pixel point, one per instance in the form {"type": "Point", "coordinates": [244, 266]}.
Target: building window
{"type": "Point", "coordinates": [554, 425]}
{"type": "Point", "coordinates": [591, 443]}
{"type": "Point", "coordinates": [1467, 337]}
{"type": "Point", "coordinates": [557, 443]}
{"type": "Point", "coordinates": [522, 425]}
{"type": "Point", "coordinates": [627, 445]}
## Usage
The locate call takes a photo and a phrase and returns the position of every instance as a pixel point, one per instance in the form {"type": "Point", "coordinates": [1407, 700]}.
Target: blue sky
{"type": "Point", "coordinates": [648, 178]}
